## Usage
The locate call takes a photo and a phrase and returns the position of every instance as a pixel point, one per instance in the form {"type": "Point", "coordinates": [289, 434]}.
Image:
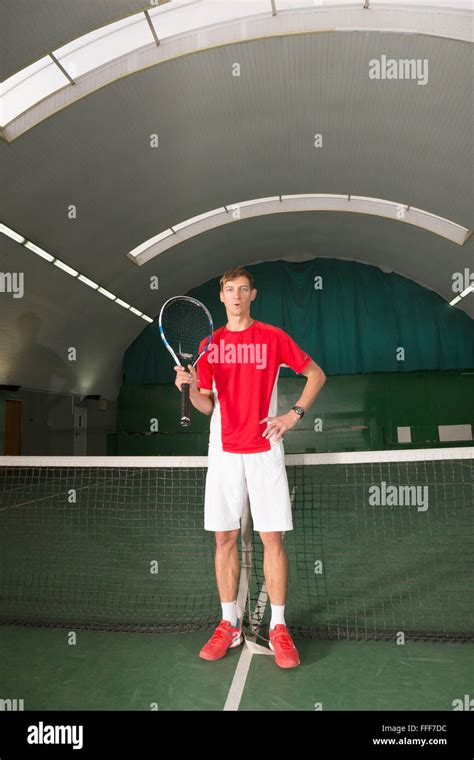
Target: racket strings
{"type": "Point", "coordinates": [185, 325]}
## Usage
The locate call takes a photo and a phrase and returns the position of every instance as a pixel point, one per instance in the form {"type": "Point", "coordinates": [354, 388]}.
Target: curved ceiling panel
{"type": "Point", "coordinates": [32, 29]}
{"type": "Point", "coordinates": [283, 204]}
{"type": "Point", "coordinates": [182, 27]}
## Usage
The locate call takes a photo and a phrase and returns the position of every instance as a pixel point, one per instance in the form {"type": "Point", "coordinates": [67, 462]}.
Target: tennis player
{"type": "Point", "coordinates": [236, 382]}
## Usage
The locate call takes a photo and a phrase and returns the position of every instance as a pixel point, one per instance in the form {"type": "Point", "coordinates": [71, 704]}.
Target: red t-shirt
{"type": "Point", "coordinates": [242, 368]}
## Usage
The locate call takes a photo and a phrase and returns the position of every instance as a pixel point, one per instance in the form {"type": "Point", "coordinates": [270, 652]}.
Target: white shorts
{"type": "Point", "coordinates": [232, 479]}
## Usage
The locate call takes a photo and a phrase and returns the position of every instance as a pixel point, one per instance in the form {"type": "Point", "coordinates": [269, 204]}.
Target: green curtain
{"type": "Point", "coordinates": [354, 323]}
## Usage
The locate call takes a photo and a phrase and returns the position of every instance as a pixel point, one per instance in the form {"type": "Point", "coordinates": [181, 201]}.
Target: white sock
{"type": "Point", "coordinates": [278, 615]}
{"type": "Point", "coordinates": [229, 612]}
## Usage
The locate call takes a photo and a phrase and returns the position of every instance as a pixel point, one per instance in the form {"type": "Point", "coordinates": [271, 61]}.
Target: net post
{"type": "Point", "coordinates": [243, 596]}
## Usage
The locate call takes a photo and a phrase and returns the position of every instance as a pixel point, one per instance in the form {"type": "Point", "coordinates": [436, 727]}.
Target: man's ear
{"type": "Point", "coordinates": [221, 296]}
{"type": "Point", "coordinates": [253, 294]}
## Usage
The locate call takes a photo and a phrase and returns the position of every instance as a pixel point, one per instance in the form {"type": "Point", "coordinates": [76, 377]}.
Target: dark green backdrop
{"type": "Point", "coordinates": [352, 328]}
{"type": "Point", "coordinates": [379, 402]}
{"type": "Point", "coordinates": [353, 325]}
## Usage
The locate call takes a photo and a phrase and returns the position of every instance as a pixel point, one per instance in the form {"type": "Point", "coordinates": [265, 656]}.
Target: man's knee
{"type": "Point", "coordinates": [271, 539]}
{"type": "Point", "coordinates": [226, 538]}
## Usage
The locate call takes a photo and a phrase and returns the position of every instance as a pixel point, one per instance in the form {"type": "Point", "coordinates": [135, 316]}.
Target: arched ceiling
{"type": "Point", "coordinates": [222, 140]}
{"type": "Point", "coordinates": [31, 29]}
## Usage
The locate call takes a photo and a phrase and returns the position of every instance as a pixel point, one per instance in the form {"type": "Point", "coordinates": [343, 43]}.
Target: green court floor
{"type": "Point", "coordinates": [126, 671]}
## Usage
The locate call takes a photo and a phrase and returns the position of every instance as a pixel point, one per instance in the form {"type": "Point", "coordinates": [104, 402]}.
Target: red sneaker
{"type": "Point", "coordinates": [286, 654]}
{"type": "Point", "coordinates": [224, 637]}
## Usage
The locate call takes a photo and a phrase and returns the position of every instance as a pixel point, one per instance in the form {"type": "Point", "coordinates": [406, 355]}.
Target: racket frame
{"type": "Point", "coordinates": [185, 420]}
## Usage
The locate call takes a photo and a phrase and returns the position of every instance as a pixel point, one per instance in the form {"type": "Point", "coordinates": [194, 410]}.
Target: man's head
{"type": "Point", "coordinates": [237, 291]}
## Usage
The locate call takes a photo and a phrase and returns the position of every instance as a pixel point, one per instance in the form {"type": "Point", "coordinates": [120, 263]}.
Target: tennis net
{"type": "Point", "coordinates": [382, 545]}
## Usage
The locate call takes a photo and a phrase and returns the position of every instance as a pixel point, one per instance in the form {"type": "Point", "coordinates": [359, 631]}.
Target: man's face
{"type": "Point", "coordinates": [237, 296]}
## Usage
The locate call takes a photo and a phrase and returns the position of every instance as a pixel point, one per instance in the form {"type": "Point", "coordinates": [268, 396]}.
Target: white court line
{"type": "Point", "coordinates": [250, 648]}
{"type": "Point", "coordinates": [238, 682]}
{"type": "Point", "coordinates": [243, 666]}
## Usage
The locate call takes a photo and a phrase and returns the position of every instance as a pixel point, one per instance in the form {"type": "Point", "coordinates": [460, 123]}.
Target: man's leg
{"type": "Point", "coordinates": [228, 633]}
{"type": "Point", "coordinates": [227, 565]}
{"type": "Point", "coordinates": [275, 566]}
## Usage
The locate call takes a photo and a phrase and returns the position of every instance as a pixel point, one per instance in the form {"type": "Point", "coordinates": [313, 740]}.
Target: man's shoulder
{"type": "Point", "coordinates": [217, 333]}
{"type": "Point", "coordinates": [261, 326]}
{"type": "Point", "coordinates": [271, 329]}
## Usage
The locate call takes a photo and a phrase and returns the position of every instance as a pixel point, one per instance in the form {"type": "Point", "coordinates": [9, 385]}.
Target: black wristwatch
{"type": "Point", "coordinates": [299, 411]}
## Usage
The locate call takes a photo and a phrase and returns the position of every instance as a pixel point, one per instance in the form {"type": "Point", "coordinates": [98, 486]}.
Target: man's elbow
{"type": "Point", "coordinates": [314, 370]}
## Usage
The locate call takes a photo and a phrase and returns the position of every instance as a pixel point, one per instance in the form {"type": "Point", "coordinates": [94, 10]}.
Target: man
{"type": "Point", "coordinates": [236, 382]}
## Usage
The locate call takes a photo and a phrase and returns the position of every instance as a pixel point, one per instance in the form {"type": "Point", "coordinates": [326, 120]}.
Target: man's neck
{"type": "Point", "coordinates": [237, 324]}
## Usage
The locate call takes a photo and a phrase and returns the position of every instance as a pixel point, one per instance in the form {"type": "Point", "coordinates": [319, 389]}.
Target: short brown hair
{"type": "Point", "coordinates": [232, 274]}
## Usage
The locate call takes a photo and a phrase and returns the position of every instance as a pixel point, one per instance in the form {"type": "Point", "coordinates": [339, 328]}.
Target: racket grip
{"type": "Point", "coordinates": [185, 406]}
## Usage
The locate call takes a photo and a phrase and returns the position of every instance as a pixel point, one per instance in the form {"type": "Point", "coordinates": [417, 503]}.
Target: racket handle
{"type": "Point", "coordinates": [185, 406]}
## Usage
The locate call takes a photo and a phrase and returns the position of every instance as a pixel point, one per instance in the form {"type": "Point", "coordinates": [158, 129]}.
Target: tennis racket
{"type": "Point", "coordinates": [184, 324]}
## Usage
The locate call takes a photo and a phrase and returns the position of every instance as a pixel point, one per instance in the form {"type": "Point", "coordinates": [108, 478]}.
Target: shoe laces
{"type": "Point", "coordinates": [220, 632]}
{"type": "Point", "coordinates": [284, 639]}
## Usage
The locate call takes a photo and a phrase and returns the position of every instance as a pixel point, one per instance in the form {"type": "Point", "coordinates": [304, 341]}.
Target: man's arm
{"type": "Point", "coordinates": [315, 381]}
{"type": "Point", "coordinates": [277, 426]}
{"type": "Point", "coordinates": [202, 400]}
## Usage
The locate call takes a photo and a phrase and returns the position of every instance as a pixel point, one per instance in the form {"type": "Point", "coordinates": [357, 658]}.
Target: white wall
{"type": "Point", "coordinates": [47, 423]}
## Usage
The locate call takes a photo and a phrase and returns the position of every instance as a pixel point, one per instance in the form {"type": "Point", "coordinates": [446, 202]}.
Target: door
{"type": "Point", "coordinates": [12, 436]}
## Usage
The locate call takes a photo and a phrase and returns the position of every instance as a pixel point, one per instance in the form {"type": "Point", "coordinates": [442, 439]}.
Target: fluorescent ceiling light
{"type": "Point", "coordinates": [88, 282]}
{"type": "Point", "coordinates": [65, 267]}
{"type": "Point", "coordinates": [69, 270]}
{"type": "Point", "coordinates": [122, 303]}
{"type": "Point", "coordinates": [105, 44]}
{"type": "Point", "coordinates": [107, 293]}
{"type": "Point", "coordinates": [36, 249]}
{"type": "Point", "coordinates": [455, 300]}
{"type": "Point", "coordinates": [11, 234]}
{"type": "Point", "coordinates": [470, 289]}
